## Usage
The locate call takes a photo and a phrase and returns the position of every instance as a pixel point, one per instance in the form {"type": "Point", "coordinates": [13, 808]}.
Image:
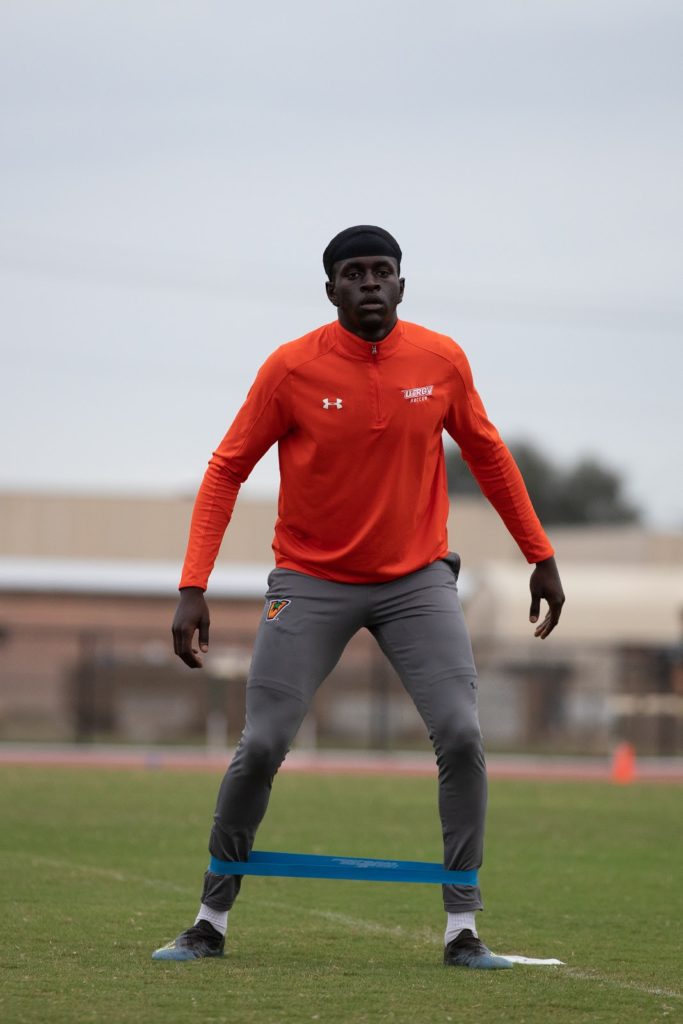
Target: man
{"type": "Point", "coordinates": [358, 408]}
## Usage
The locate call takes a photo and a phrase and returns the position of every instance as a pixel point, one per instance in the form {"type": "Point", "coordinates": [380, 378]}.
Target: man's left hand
{"type": "Point", "coordinates": [545, 583]}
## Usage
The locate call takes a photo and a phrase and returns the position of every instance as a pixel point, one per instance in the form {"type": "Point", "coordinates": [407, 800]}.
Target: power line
{"type": "Point", "coordinates": [538, 311]}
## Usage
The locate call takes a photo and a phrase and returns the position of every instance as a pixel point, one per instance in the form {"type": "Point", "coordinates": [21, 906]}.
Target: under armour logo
{"type": "Point", "coordinates": [327, 404]}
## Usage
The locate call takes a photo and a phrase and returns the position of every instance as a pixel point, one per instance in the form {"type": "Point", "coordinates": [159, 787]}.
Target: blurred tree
{"type": "Point", "coordinates": [587, 492]}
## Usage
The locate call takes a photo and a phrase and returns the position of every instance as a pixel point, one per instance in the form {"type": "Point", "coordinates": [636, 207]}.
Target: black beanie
{"type": "Point", "coordinates": [361, 240]}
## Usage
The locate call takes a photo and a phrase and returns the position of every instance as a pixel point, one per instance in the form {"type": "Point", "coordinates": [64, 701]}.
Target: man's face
{"type": "Point", "coordinates": [366, 291]}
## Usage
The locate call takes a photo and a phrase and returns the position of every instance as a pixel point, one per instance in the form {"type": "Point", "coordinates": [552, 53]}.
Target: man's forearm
{"type": "Point", "coordinates": [501, 482]}
{"type": "Point", "coordinates": [212, 512]}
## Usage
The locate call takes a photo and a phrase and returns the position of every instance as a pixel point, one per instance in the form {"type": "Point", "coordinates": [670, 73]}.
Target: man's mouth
{"type": "Point", "coordinates": [372, 304]}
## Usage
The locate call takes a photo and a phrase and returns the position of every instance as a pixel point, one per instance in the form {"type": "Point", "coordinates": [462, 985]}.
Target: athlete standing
{"type": "Point", "coordinates": [357, 408]}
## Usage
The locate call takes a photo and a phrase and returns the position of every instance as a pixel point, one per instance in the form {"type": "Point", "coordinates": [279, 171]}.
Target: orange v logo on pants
{"type": "Point", "coordinates": [275, 607]}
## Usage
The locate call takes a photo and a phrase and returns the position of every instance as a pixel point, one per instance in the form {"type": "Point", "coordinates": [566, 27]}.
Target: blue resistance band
{"type": "Point", "coordinates": [306, 865]}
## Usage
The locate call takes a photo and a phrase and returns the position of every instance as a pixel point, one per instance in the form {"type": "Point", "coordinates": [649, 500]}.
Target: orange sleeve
{"type": "Point", "coordinates": [262, 420]}
{"type": "Point", "coordinates": [492, 464]}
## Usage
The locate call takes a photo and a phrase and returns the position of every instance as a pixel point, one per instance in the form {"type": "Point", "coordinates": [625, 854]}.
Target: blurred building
{"type": "Point", "coordinates": [88, 589]}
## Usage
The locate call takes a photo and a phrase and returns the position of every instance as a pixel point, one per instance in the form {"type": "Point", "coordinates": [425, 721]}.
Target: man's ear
{"type": "Point", "coordinates": [331, 293]}
{"type": "Point", "coordinates": [402, 284]}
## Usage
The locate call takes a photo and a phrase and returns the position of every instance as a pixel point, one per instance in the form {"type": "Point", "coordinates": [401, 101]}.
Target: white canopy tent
{"type": "Point", "coordinates": [605, 602]}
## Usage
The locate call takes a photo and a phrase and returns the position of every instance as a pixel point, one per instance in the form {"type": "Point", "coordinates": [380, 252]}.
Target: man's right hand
{"type": "Point", "coordinates": [192, 615]}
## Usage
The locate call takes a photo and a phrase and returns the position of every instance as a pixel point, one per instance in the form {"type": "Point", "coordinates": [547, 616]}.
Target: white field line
{"type": "Point", "coordinates": [633, 986]}
{"type": "Point", "coordinates": [343, 920]}
{"type": "Point", "coordinates": [422, 935]}
{"type": "Point", "coordinates": [114, 876]}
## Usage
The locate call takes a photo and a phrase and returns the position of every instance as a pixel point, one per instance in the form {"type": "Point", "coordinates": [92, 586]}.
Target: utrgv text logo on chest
{"type": "Point", "coordinates": [418, 394]}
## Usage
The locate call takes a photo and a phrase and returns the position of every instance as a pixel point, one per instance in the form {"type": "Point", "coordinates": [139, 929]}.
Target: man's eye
{"type": "Point", "coordinates": [383, 273]}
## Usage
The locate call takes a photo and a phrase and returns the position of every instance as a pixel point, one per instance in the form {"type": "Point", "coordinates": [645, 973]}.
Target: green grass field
{"type": "Point", "coordinates": [100, 867]}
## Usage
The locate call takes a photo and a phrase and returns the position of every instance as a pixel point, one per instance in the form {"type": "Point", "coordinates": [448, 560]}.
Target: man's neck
{"type": "Point", "coordinates": [374, 336]}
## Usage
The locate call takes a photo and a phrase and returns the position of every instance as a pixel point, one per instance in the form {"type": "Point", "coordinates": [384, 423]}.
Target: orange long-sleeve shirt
{"type": "Point", "coordinates": [363, 495]}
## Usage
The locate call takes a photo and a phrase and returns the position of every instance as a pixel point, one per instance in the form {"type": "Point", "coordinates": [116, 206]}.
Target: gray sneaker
{"type": "Point", "coordinates": [199, 941]}
{"type": "Point", "coordinates": [466, 950]}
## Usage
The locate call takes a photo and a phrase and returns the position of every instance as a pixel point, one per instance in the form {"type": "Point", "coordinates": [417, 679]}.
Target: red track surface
{"type": "Point", "coordinates": [332, 762]}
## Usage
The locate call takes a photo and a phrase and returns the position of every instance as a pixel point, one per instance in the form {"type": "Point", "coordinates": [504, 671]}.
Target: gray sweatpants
{"type": "Point", "coordinates": [418, 622]}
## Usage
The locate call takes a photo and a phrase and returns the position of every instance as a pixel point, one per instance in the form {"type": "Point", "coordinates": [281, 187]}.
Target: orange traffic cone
{"type": "Point", "coordinates": [624, 764]}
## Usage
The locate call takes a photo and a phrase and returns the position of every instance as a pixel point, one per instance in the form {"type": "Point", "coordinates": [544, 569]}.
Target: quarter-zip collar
{"type": "Point", "coordinates": [351, 345]}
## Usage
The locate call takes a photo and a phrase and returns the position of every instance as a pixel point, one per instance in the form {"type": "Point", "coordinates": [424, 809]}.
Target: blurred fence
{"type": "Point", "coordinates": [60, 682]}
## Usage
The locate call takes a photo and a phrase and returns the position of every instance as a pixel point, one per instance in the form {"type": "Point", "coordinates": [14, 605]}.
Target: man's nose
{"type": "Point", "coordinates": [370, 283]}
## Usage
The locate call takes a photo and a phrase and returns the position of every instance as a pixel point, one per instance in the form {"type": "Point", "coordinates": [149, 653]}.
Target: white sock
{"type": "Point", "coordinates": [456, 923]}
{"type": "Point", "coordinates": [217, 918]}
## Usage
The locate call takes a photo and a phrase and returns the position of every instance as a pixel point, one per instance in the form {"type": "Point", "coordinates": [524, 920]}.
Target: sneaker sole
{"type": "Point", "coordinates": [183, 954]}
{"type": "Point", "coordinates": [481, 963]}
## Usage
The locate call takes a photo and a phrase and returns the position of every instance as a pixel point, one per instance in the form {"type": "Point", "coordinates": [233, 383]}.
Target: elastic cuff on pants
{"type": "Point", "coordinates": [458, 899]}
{"type": "Point", "coordinates": [462, 907]}
{"type": "Point", "coordinates": [220, 891]}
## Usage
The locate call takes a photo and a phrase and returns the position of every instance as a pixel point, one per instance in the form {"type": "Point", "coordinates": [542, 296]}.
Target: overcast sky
{"type": "Point", "coordinates": [171, 173]}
